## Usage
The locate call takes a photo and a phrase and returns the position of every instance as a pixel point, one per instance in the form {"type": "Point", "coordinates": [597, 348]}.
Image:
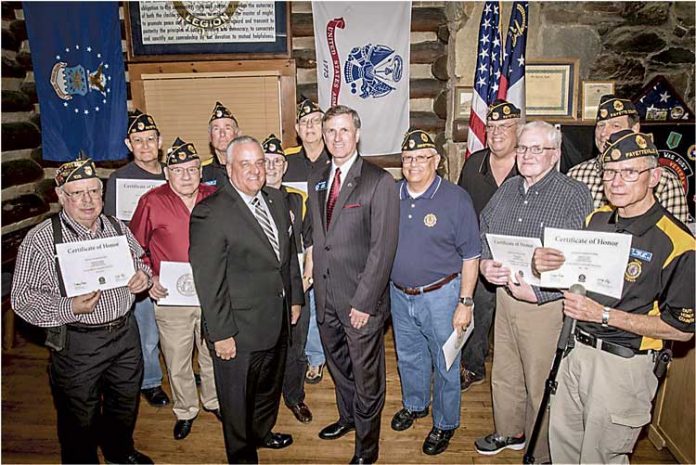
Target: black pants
{"type": "Point", "coordinates": [475, 350]}
{"type": "Point", "coordinates": [248, 388]}
{"type": "Point", "coordinates": [296, 360]}
{"type": "Point", "coordinates": [355, 358]}
{"type": "Point", "coordinates": [95, 381]}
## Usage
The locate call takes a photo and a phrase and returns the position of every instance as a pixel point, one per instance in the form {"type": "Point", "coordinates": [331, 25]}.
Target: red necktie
{"type": "Point", "coordinates": [333, 196]}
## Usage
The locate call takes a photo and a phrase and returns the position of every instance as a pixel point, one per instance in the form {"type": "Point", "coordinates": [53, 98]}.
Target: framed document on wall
{"type": "Point", "coordinates": [592, 92]}
{"type": "Point", "coordinates": [552, 88]}
{"type": "Point", "coordinates": [172, 31]}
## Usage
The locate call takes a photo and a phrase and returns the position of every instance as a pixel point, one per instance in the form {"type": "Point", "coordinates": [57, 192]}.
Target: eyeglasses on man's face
{"type": "Point", "coordinates": [533, 149]}
{"type": "Point", "coordinates": [316, 121]}
{"type": "Point", "coordinates": [78, 195]}
{"type": "Point", "coordinates": [277, 163]}
{"type": "Point", "coordinates": [627, 174]}
{"type": "Point", "coordinates": [178, 171]}
{"type": "Point", "coordinates": [492, 128]}
{"type": "Point", "coordinates": [418, 159]}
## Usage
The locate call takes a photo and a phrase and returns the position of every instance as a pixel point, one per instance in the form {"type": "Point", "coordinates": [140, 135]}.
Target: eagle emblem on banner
{"type": "Point", "coordinates": [376, 68]}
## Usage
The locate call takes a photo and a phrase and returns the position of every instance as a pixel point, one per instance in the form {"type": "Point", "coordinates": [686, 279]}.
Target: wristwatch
{"type": "Point", "coordinates": [605, 317]}
{"type": "Point", "coordinates": [466, 301]}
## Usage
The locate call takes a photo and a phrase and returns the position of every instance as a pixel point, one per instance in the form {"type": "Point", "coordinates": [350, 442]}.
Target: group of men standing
{"type": "Point", "coordinates": [269, 265]}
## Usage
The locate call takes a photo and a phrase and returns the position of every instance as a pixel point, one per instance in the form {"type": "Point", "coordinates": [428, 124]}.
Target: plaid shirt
{"type": "Point", "coordinates": [669, 191]}
{"type": "Point", "coordinates": [35, 289]}
{"type": "Point", "coordinates": [555, 201]}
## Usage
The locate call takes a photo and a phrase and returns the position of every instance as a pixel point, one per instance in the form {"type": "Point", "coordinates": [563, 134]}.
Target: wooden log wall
{"type": "Point", "coordinates": [27, 180]}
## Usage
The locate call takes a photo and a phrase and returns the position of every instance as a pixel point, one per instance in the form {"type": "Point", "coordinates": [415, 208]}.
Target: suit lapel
{"type": "Point", "coordinates": [246, 215]}
{"type": "Point", "coordinates": [350, 182]}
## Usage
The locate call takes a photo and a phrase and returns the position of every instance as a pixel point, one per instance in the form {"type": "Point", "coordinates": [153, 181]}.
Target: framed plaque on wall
{"type": "Point", "coordinates": [551, 88]}
{"type": "Point", "coordinates": [182, 31]}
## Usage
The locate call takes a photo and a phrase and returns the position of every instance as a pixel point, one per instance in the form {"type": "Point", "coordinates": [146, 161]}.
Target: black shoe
{"type": "Point", "coordinates": [469, 378]}
{"type": "Point", "coordinates": [277, 441]}
{"type": "Point", "coordinates": [301, 412]}
{"type": "Point", "coordinates": [155, 396]}
{"type": "Point", "coordinates": [362, 460]}
{"type": "Point", "coordinates": [214, 411]}
{"type": "Point", "coordinates": [437, 441]}
{"type": "Point", "coordinates": [335, 431]}
{"type": "Point", "coordinates": [133, 457]}
{"type": "Point", "coordinates": [403, 419]}
{"type": "Point", "coordinates": [182, 428]}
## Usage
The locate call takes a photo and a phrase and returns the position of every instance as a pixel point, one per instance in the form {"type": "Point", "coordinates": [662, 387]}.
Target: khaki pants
{"type": "Point", "coordinates": [525, 342]}
{"type": "Point", "coordinates": [179, 328]}
{"type": "Point", "coordinates": [601, 404]}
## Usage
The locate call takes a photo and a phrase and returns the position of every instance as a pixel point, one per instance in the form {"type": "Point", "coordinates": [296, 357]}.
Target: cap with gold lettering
{"type": "Point", "coordinates": [611, 106]}
{"type": "Point", "coordinates": [272, 145]}
{"type": "Point", "coordinates": [80, 168]}
{"type": "Point", "coordinates": [627, 145]}
{"type": "Point", "coordinates": [416, 140]}
{"type": "Point", "coordinates": [181, 152]}
{"type": "Point", "coordinates": [140, 122]}
{"type": "Point", "coordinates": [307, 107]}
{"type": "Point", "coordinates": [220, 111]}
{"type": "Point", "coordinates": [501, 110]}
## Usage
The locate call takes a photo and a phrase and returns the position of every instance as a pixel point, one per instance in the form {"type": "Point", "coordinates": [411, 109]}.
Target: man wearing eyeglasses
{"type": "Point", "coordinates": [222, 128]}
{"type": "Point", "coordinates": [296, 361]}
{"type": "Point", "coordinates": [483, 173]}
{"type": "Point", "coordinates": [144, 141]}
{"type": "Point", "coordinates": [616, 114]}
{"type": "Point", "coordinates": [96, 363]}
{"type": "Point", "coordinates": [528, 319]}
{"type": "Point", "coordinates": [606, 384]}
{"type": "Point", "coordinates": [301, 162]}
{"type": "Point", "coordinates": [432, 283]}
{"type": "Point", "coordinates": [161, 225]}
{"type": "Point", "coordinates": [248, 280]}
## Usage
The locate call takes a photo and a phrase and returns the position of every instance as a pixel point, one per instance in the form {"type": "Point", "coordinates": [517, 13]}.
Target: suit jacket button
{"type": "Point", "coordinates": [323, 276]}
{"type": "Point", "coordinates": [280, 294]}
{"type": "Point", "coordinates": [327, 248]}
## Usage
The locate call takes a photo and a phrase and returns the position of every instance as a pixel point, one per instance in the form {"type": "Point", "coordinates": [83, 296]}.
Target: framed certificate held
{"type": "Point", "coordinates": [551, 88]}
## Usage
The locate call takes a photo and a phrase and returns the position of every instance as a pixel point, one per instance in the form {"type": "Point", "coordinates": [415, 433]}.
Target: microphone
{"type": "Point", "coordinates": [578, 289]}
{"type": "Point", "coordinates": [568, 327]}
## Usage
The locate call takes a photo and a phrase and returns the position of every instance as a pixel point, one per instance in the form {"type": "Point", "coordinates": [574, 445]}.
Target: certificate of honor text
{"type": "Point", "coordinates": [515, 253]}
{"type": "Point", "coordinates": [128, 192]}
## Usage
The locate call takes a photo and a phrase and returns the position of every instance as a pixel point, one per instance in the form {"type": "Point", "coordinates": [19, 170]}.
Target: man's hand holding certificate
{"type": "Point", "coordinates": [515, 253]}
{"type": "Point", "coordinates": [593, 259]}
{"type": "Point", "coordinates": [177, 279]}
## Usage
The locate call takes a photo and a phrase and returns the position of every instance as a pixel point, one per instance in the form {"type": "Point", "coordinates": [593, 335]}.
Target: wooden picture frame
{"type": "Point", "coordinates": [592, 92]}
{"type": "Point", "coordinates": [172, 31]}
{"type": "Point", "coordinates": [463, 98]}
{"type": "Point", "coordinates": [551, 87]}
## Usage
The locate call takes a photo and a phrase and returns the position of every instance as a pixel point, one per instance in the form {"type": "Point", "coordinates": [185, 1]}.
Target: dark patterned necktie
{"type": "Point", "coordinates": [265, 222]}
{"type": "Point", "coordinates": [333, 196]}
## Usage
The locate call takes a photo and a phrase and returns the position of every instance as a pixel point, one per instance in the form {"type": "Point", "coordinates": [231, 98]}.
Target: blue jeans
{"type": "Point", "coordinates": [149, 341]}
{"type": "Point", "coordinates": [313, 349]}
{"type": "Point", "coordinates": [422, 324]}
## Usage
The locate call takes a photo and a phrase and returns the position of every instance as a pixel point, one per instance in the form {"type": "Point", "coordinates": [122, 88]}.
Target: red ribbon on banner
{"type": "Point", "coordinates": [331, 39]}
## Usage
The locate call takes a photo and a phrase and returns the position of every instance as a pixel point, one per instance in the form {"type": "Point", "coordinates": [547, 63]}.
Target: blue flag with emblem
{"type": "Point", "coordinates": [80, 78]}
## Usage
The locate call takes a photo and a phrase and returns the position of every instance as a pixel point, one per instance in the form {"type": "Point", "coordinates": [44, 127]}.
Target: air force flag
{"type": "Point", "coordinates": [363, 62]}
{"type": "Point", "coordinates": [80, 78]}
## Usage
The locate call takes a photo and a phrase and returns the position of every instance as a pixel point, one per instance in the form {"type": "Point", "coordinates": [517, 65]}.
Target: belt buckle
{"type": "Point", "coordinates": [585, 339]}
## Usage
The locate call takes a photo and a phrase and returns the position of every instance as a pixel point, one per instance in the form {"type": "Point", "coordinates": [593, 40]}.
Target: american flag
{"type": "Point", "coordinates": [512, 78]}
{"type": "Point", "coordinates": [486, 76]}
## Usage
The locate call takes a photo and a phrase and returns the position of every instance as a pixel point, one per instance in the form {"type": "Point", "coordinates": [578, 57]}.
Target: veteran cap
{"type": "Point", "coordinates": [81, 168]}
{"type": "Point", "coordinates": [220, 111]}
{"type": "Point", "coordinates": [416, 140]}
{"type": "Point", "coordinates": [611, 106]}
{"type": "Point", "coordinates": [500, 110]}
{"type": "Point", "coordinates": [306, 107]}
{"type": "Point", "coordinates": [272, 145]}
{"type": "Point", "coordinates": [181, 152]}
{"type": "Point", "coordinates": [627, 145]}
{"type": "Point", "coordinates": [140, 122]}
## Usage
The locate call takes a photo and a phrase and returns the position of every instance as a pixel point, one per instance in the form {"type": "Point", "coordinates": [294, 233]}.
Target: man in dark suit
{"type": "Point", "coordinates": [247, 276]}
{"type": "Point", "coordinates": [354, 208]}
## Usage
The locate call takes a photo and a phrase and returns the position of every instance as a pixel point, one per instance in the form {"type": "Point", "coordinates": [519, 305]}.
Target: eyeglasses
{"type": "Point", "coordinates": [144, 140]}
{"type": "Point", "coordinates": [311, 122]}
{"type": "Point", "coordinates": [278, 163]}
{"type": "Point", "coordinates": [627, 174]}
{"type": "Point", "coordinates": [77, 195]}
{"type": "Point", "coordinates": [499, 127]}
{"type": "Point", "coordinates": [418, 159]}
{"type": "Point", "coordinates": [534, 149]}
{"type": "Point", "coordinates": [180, 171]}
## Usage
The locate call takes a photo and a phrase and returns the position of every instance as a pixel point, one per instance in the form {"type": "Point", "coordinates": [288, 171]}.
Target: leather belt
{"type": "Point", "coordinates": [593, 341]}
{"type": "Point", "coordinates": [110, 326]}
{"type": "Point", "coordinates": [429, 288]}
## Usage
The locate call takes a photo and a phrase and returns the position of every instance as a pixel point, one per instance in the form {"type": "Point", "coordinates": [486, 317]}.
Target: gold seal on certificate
{"type": "Point", "coordinates": [97, 264]}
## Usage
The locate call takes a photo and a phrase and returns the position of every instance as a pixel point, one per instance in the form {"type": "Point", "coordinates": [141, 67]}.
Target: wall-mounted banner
{"type": "Point", "coordinates": [363, 62]}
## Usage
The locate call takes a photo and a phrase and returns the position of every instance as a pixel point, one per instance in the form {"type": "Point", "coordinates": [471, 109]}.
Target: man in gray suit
{"type": "Point", "coordinates": [354, 208]}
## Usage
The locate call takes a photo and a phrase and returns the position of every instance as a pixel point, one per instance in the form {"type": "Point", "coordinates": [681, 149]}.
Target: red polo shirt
{"type": "Point", "coordinates": [160, 223]}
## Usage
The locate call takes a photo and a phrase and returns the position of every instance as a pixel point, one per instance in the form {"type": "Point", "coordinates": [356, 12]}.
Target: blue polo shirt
{"type": "Point", "coordinates": [437, 231]}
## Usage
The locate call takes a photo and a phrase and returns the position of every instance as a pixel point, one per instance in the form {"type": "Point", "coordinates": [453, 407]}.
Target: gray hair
{"type": "Point", "coordinates": [553, 135]}
{"type": "Point", "coordinates": [238, 141]}
{"type": "Point", "coordinates": [339, 110]}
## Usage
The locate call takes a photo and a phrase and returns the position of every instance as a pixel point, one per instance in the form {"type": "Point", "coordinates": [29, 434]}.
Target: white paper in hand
{"type": "Point", "coordinates": [177, 278]}
{"type": "Point", "coordinates": [455, 343]}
